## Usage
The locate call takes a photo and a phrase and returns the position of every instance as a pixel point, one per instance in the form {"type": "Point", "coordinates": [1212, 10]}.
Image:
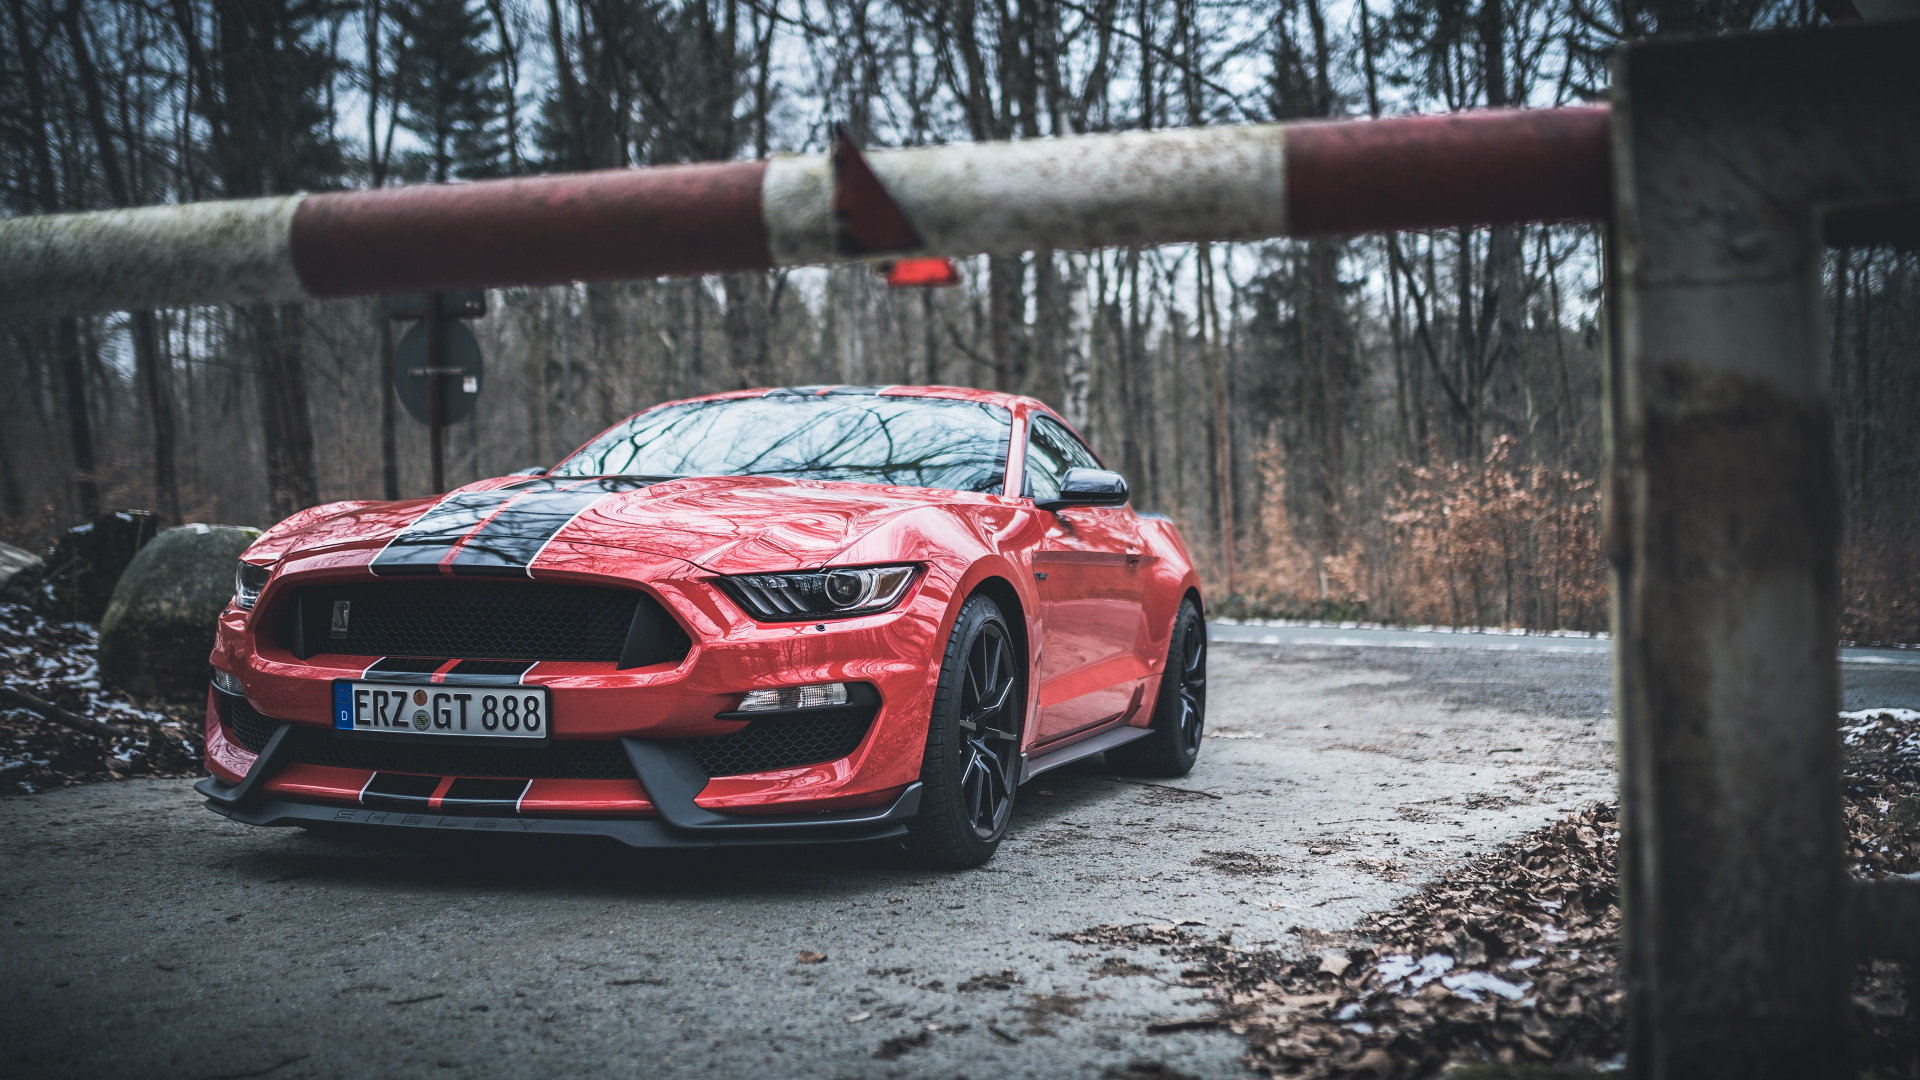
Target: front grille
{"type": "Point", "coordinates": [244, 725]}
{"type": "Point", "coordinates": [782, 742]}
{"type": "Point", "coordinates": [561, 760]}
{"type": "Point", "coordinates": [486, 619]}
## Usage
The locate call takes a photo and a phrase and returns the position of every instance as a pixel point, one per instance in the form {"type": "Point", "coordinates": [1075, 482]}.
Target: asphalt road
{"type": "Point", "coordinates": [145, 937]}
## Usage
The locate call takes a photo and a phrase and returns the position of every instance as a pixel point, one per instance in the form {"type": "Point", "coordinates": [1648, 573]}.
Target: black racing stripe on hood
{"type": "Point", "coordinates": [507, 543]}
{"type": "Point", "coordinates": [403, 669]}
{"type": "Point", "coordinates": [420, 546]}
{"type": "Point", "coordinates": [497, 532]}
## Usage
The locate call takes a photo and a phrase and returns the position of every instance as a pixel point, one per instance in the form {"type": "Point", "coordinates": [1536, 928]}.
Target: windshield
{"type": "Point", "coordinates": [912, 442]}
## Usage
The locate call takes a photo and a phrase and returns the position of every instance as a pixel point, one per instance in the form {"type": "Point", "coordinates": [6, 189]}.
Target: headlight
{"type": "Point", "coordinates": [820, 594]}
{"type": "Point", "coordinates": [248, 580]}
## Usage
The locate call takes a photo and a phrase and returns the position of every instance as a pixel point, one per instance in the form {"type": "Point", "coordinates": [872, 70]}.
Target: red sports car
{"type": "Point", "coordinates": [777, 616]}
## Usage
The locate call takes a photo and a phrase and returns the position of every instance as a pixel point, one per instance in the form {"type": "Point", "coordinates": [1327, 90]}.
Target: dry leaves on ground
{"type": "Point", "coordinates": [55, 662]}
{"type": "Point", "coordinates": [1513, 959]}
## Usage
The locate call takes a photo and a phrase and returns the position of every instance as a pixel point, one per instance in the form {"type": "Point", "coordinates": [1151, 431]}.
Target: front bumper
{"type": "Point", "coordinates": [598, 704]}
{"type": "Point", "coordinates": [654, 807]}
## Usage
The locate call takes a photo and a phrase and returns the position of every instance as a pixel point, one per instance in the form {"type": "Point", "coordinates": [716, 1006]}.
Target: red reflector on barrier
{"type": "Point", "coordinates": [921, 274]}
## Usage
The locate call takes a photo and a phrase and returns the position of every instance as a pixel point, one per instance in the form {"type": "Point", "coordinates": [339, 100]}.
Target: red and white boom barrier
{"type": "Point", "coordinates": [1248, 182]}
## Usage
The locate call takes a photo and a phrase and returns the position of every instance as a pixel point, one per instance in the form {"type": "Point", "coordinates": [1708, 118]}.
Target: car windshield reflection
{"type": "Point", "coordinates": [910, 442]}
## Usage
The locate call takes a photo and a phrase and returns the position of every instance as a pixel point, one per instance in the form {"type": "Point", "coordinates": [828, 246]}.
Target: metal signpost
{"type": "Point", "coordinates": [437, 365]}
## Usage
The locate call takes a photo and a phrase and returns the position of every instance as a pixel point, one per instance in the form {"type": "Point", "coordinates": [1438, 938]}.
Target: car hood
{"type": "Point", "coordinates": [728, 524]}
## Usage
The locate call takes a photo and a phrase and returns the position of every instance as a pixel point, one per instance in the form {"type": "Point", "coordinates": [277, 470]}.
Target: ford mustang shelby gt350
{"type": "Point", "coordinates": [773, 616]}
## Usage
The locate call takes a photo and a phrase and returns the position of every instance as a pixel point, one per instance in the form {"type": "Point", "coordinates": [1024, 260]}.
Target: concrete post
{"type": "Point", "coordinates": [1723, 525]}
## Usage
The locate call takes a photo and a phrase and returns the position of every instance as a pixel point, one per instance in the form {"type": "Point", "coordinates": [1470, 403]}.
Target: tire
{"type": "Point", "coordinates": [972, 762]}
{"type": "Point", "coordinates": [1180, 713]}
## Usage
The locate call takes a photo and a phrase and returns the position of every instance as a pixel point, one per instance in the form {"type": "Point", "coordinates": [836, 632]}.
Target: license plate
{"type": "Point", "coordinates": [489, 712]}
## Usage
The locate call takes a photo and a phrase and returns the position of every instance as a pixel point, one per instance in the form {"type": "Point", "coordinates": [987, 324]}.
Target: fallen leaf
{"type": "Point", "coordinates": [899, 1045]}
{"type": "Point", "coordinates": [1335, 962]}
{"type": "Point", "coordinates": [1198, 1023]}
{"type": "Point", "coordinates": [813, 957]}
{"type": "Point", "coordinates": [856, 1018]}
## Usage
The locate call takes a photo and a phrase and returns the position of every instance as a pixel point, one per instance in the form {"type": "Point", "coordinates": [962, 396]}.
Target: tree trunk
{"type": "Point", "coordinates": [1003, 288]}
{"type": "Point", "coordinates": [73, 377]}
{"type": "Point", "coordinates": [746, 328]}
{"type": "Point", "coordinates": [389, 411]}
{"type": "Point", "coordinates": [1222, 417]}
{"type": "Point", "coordinates": [1332, 480]}
{"type": "Point", "coordinates": [284, 416]}
{"type": "Point", "coordinates": [931, 340]}
{"type": "Point", "coordinates": [156, 378]}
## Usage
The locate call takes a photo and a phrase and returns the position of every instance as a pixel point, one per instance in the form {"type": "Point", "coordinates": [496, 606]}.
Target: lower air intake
{"type": "Point", "coordinates": [245, 727]}
{"type": "Point", "coordinates": [783, 742]}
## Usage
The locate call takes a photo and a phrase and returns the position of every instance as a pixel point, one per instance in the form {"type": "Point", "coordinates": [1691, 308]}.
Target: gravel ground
{"type": "Point", "coordinates": [147, 937]}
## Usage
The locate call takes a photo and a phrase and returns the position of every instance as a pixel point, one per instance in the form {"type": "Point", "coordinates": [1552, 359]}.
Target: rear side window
{"type": "Point", "coordinates": [1051, 451]}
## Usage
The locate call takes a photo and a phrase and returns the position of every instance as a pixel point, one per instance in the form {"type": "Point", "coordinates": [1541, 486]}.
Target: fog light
{"type": "Point", "coordinates": [228, 683]}
{"type": "Point", "coordinates": [795, 697]}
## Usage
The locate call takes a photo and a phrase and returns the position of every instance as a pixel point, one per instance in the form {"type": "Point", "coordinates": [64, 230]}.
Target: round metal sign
{"type": "Point", "coordinates": [458, 349]}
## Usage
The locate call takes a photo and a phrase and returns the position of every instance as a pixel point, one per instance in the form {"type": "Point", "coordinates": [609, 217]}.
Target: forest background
{"type": "Point", "coordinates": [1403, 428]}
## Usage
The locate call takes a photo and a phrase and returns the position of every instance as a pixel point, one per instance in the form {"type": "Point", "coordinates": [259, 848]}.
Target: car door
{"type": "Point", "coordinates": [1088, 570]}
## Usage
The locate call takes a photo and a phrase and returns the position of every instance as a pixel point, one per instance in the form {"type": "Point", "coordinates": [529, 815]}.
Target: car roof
{"type": "Point", "coordinates": [1012, 402]}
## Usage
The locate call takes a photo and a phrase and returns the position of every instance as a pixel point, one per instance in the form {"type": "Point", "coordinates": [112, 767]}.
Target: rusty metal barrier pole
{"type": "Point", "coordinates": [1245, 182]}
{"type": "Point", "coordinates": [1723, 525]}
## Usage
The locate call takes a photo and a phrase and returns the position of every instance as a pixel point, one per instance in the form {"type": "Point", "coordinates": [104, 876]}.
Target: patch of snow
{"type": "Point", "coordinates": [1395, 968]}
{"type": "Point", "coordinates": [1416, 973]}
{"type": "Point", "coordinates": [1471, 984]}
{"type": "Point", "coordinates": [1907, 716]}
{"type": "Point", "coordinates": [1322, 624]}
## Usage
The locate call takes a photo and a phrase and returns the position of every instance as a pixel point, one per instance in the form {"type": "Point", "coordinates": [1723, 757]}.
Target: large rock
{"type": "Point", "coordinates": [83, 567]}
{"type": "Point", "coordinates": [158, 629]}
{"type": "Point", "coordinates": [19, 574]}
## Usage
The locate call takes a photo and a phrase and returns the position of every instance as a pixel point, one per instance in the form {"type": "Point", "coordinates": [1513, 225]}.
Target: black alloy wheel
{"type": "Point", "coordinates": [972, 763]}
{"type": "Point", "coordinates": [1180, 711]}
{"type": "Point", "coordinates": [1190, 693]}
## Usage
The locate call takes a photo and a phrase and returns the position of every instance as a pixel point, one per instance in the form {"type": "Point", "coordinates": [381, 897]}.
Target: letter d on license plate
{"type": "Point", "coordinates": [488, 712]}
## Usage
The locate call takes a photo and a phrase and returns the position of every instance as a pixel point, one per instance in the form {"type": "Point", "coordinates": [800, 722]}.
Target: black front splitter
{"type": "Point", "coordinates": [859, 827]}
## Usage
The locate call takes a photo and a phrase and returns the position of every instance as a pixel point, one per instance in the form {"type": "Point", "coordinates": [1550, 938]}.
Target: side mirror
{"type": "Point", "coordinates": [1088, 487]}
{"type": "Point", "coordinates": [532, 470]}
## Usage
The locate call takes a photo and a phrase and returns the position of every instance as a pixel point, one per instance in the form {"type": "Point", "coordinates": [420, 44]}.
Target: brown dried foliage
{"type": "Point", "coordinates": [1880, 585]}
{"type": "Point", "coordinates": [1461, 544]}
{"type": "Point", "coordinates": [1501, 543]}
{"type": "Point", "coordinates": [1412, 996]}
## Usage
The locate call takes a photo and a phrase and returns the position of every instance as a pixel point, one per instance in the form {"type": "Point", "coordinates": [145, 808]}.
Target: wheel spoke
{"type": "Point", "coordinates": [989, 731]}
